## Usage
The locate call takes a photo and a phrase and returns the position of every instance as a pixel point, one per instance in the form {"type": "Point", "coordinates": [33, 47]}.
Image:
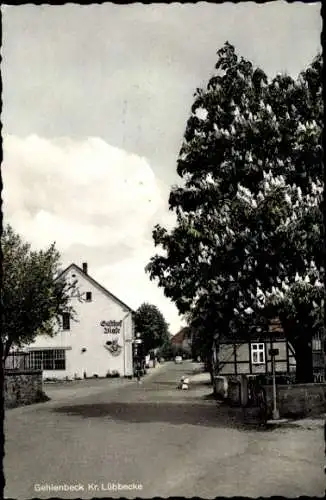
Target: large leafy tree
{"type": "Point", "coordinates": [150, 323]}
{"type": "Point", "coordinates": [33, 301]}
{"type": "Point", "coordinates": [248, 243]}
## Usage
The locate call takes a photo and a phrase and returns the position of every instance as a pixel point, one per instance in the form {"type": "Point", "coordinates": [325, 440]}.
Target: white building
{"type": "Point", "coordinates": [98, 342]}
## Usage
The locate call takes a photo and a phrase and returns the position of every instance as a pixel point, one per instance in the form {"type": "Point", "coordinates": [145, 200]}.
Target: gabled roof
{"type": "Point", "coordinates": [95, 283]}
{"type": "Point", "coordinates": [183, 334]}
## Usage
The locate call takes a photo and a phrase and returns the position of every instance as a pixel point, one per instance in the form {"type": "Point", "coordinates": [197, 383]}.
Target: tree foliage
{"type": "Point", "coordinates": [249, 244]}
{"type": "Point", "coordinates": [32, 299]}
{"type": "Point", "coordinates": [150, 323]}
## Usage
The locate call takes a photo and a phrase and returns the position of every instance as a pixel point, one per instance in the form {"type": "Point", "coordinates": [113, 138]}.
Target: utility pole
{"type": "Point", "coordinates": [276, 414]}
{"type": "Point", "coordinates": [137, 353]}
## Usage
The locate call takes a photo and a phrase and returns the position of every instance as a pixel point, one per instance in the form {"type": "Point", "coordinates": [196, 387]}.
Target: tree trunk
{"type": "Point", "coordinates": [209, 367]}
{"type": "Point", "coordinates": [301, 341]}
{"type": "Point", "coordinates": [303, 355]}
{"type": "Point", "coordinates": [212, 378]}
{"type": "Point", "coordinates": [5, 348]}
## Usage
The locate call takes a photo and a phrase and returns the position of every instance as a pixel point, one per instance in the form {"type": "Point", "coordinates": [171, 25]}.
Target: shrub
{"type": "Point", "coordinates": [41, 397]}
{"type": "Point", "coordinates": [113, 374]}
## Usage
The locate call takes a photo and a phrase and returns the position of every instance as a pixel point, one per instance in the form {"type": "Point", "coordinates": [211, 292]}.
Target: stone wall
{"type": "Point", "coordinates": [298, 399]}
{"type": "Point", "coordinates": [293, 400]}
{"type": "Point", "coordinates": [23, 387]}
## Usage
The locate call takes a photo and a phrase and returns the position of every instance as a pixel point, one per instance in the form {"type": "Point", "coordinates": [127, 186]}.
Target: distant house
{"type": "Point", "coordinates": [181, 341]}
{"type": "Point", "coordinates": [253, 357]}
{"type": "Point", "coordinates": [99, 342]}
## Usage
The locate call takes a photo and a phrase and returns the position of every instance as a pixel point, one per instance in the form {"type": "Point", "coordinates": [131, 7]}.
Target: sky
{"type": "Point", "coordinates": [95, 104]}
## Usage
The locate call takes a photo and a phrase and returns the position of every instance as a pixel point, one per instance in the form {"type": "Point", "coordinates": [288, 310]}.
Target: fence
{"type": "Point", "coordinates": [319, 375]}
{"type": "Point", "coordinates": [17, 361]}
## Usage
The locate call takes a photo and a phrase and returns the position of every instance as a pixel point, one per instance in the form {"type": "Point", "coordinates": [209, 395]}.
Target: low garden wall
{"type": "Point", "coordinates": [293, 400]}
{"type": "Point", "coordinates": [297, 400]}
{"type": "Point", "coordinates": [23, 387]}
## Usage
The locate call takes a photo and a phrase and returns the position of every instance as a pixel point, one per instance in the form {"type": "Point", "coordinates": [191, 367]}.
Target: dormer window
{"type": "Point", "coordinates": [88, 296]}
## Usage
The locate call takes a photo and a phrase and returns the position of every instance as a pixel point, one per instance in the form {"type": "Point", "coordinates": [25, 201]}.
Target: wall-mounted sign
{"type": "Point", "coordinates": [111, 326]}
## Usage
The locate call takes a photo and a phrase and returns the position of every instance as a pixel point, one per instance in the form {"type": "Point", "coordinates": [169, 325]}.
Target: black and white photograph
{"type": "Point", "coordinates": [163, 250]}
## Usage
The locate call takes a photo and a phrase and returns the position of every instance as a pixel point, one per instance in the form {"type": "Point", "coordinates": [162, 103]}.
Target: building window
{"type": "Point", "coordinates": [88, 296]}
{"type": "Point", "coordinates": [50, 359]}
{"type": "Point", "coordinates": [66, 321]}
{"type": "Point", "coordinates": [258, 354]}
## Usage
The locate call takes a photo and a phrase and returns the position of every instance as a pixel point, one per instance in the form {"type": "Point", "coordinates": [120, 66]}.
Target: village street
{"type": "Point", "coordinates": [164, 441]}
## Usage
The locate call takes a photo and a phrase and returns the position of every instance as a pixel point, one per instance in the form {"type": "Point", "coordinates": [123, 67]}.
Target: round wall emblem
{"type": "Point", "coordinates": [114, 347]}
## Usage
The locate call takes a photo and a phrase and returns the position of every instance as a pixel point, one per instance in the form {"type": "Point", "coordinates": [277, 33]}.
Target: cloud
{"type": "Point", "coordinates": [84, 192]}
{"type": "Point", "coordinates": [137, 99]}
{"type": "Point", "coordinates": [88, 195]}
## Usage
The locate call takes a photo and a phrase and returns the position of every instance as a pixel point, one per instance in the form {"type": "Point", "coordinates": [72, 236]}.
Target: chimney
{"type": "Point", "coordinates": [85, 267]}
